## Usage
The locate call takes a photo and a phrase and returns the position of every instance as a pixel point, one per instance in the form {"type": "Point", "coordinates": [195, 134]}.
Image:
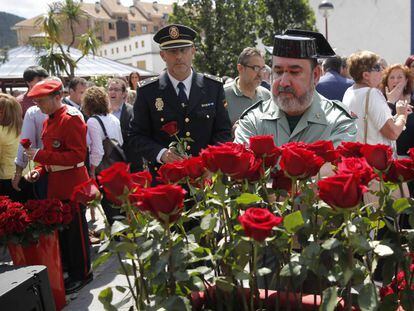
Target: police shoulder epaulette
{"type": "Point", "coordinates": [147, 81]}
{"type": "Point", "coordinates": [341, 106]}
{"type": "Point", "coordinates": [250, 108]}
{"type": "Point", "coordinates": [214, 78]}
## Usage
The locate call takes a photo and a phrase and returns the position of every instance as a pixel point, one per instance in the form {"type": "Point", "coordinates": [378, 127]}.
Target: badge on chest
{"type": "Point", "coordinates": [56, 144]}
{"type": "Point", "coordinates": [159, 104]}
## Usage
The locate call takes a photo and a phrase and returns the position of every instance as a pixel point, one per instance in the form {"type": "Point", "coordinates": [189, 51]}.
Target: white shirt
{"type": "Point", "coordinates": [96, 136]}
{"type": "Point", "coordinates": [378, 114]}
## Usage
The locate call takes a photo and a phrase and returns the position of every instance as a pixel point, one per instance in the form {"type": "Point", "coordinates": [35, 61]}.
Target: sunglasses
{"type": "Point", "coordinates": [376, 67]}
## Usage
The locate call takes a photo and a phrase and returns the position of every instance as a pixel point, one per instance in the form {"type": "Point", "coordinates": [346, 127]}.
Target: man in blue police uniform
{"type": "Point", "coordinates": [195, 101]}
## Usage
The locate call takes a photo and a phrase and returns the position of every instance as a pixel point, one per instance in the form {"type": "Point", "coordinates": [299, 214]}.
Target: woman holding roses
{"type": "Point", "coordinates": [10, 128]}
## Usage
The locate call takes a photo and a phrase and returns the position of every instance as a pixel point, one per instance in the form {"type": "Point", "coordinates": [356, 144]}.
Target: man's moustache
{"type": "Point", "coordinates": [287, 89]}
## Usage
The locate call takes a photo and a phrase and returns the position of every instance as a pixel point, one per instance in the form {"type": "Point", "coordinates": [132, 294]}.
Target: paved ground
{"type": "Point", "coordinates": [105, 276]}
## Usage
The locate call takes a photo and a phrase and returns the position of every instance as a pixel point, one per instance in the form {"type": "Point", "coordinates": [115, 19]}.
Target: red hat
{"type": "Point", "coordinates": [44, 88]}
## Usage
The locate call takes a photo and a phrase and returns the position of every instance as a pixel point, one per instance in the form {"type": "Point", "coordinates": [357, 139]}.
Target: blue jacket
{"type": "Point", "coordinates": [333, 86]}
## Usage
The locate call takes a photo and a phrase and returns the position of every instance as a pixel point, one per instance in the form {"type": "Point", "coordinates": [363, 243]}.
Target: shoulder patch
{"type": "Point", "coordinates": [341, 106]}
{"type": "Point", "coordinates": [147, 81]}
{"type": "Point", "coordinates": [250, 108]}
{"type": "Point", "coordinates": [214, 78]}
{"type": "Point", "coordinates": [73, 112]}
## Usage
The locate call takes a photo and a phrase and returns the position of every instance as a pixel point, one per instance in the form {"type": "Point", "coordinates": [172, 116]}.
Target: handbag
{"type": "Point", "coordinates": [112, 150]}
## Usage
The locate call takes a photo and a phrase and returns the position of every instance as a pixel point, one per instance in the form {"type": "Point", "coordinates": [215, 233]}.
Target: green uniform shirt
{"type": "Point", "coordinates": [237, 102]}
{"type": "Point", "coordinates": [324, 120]}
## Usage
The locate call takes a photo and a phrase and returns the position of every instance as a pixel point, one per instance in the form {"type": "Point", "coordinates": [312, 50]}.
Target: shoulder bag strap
{"type": "Point", "coordinates": [366, 115]}
{"type": "Point", "coordinates": [102, 125]}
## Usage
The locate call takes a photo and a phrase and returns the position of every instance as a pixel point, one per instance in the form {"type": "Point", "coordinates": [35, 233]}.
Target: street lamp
{"type": "Point", "coordinates": [325, 8]}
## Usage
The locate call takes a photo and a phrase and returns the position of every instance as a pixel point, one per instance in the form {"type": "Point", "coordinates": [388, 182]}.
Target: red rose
{"type": "Point", "coordinates": [262, 144]}
{"type": "Point", "coordinates": [14, 220]}
{"type": "Point", "coordinates": [350, 149]}
{"type": "Point", "coordinates": [254, 173]}
{"type": "Point", "coordinates": [358, 167]}
{"type": "Point", "coordinates": [257, 223]}
{"type": "Point", "coordinates": [85, 192]}
{"type": "Point", "coordinates": [281, 181]}
{"type": "Point", "coordinates": [67, 212]}
{"type": "Point", "coordinates": [385, 291]}
{"type": "Point", "coordinates": [142, 179]}
{"type": "Point", "coordinates": [342, 191]}
{"type": "Point", "coordinates": [378, 156]}
{"type": "Point", "coordinates": [270, 160]}
{"type": "Point", "coordinates": [171, 128]}
{"type": "Point", "coordinates": [300, 163]}
{"type": "Point", "coordinates": [164, 202]}
{"type": "Point", "coordinates": [170, 173]}
{"type": "Point", "coordinates": [51, 218]}
{"type": "Point", "coordinates": [115, 180]}
{"type": "Point", "coordinates": [401, 170]}
{"type": "Point", "coordinates": [194, 167]}
{"type": "Point", "coordinates": [325, 149]}
{"type": "Point", "coordinates": [26, 143]}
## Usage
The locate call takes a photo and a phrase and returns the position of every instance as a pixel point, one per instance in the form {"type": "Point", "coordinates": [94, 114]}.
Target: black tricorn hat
{"type": "Point", "coordinates": [175, 36]}
{"type": "Point", "coordinates": [295, 43]}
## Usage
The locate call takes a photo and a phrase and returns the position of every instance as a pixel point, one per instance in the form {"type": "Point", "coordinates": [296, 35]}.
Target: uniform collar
{"type": "Point", "coordinates": [58, 112]}
{"type": "Point", "coordinates": [187, 82]}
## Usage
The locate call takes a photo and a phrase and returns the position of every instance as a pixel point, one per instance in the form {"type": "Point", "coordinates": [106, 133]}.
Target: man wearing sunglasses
{"type": "Point", "coordinates": [245, 90]}
{"type": "Point", "coordinates": [296, 112]}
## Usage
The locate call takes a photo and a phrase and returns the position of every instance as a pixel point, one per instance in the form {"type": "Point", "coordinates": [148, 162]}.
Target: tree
{"type": "Point", "coordinates": [60, 16]}
{"type": "Point", "coordinates": [226, 27]}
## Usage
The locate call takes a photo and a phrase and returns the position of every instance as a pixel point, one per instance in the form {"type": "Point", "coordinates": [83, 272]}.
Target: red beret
{"type": "Point", "coordinates": [44, 88]}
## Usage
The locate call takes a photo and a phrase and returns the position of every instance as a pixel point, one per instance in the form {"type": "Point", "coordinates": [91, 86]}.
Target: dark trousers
{"type": "Point", "coordinates": [75, 247]}
{"type": "Point", "coordinates": [110, 212]}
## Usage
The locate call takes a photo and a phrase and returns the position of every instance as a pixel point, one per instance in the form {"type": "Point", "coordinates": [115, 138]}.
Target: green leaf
{"type": "Point", "coordinates": [101, 259]}
{"type": "Point", "coordinates": [104, 246]}
{"type": "Point", "coordinates": [118, 227]}
{"type": "Point", "coordinates": [224, 283]}
{"type": "Point", "coordinates": [331, 244]}
{"type": "Point", "coordinates": [120, 289]}
{"type": "Point", "coordinates": [383, 250]}
{"type": "Point", "coordinates": [248, 198]}
{"type": "Point", "coordinates": [400, 205]}
{"type": "Point", "coordinates": [291, 269]}
{"type": "Point", "coordinates": [263, 271]}
{"type": "Point", "coordinates": [181, 276]}
{"type": "Point", "coordinates": [330, 299]}
{"type": "Point", "coordinates": [208, 222]}
{"type": "Point", "coordinates": [293, 222]}
{"type": "Point", "coordinates": [126, 247]}
{"type": "Point", "coordinates": [105, 297]}
{"type": "Point", "coordinates": [242, 276]}
{"type": "Point", "coordinates": [146, 254]}
{"type": "Point", "coordinates": [367, 298]}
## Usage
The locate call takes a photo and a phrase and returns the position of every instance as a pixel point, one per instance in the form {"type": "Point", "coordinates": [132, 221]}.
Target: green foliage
{"type": "Point", "coordinates": [227, 27]}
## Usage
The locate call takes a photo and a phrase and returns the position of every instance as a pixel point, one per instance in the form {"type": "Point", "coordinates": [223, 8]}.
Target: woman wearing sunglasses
{"type": "Point", "coordinates": [375, 122]}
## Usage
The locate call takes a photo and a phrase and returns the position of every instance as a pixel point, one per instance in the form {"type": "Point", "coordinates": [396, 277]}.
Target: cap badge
{"type": "Point", "coordinates": [159, 104]}
{"type": "Point", "coordinates": [174, 33]}
{"type": "Point", "coordinates": [56, 144]}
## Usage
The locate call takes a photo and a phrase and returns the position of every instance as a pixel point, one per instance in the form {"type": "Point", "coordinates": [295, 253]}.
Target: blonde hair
{"type": "Point", "coordinates": [361, 62]}
{"type": "Point", "coordinates": [12, 114]}
{"type": "Point", "coordinates": [95, 101]}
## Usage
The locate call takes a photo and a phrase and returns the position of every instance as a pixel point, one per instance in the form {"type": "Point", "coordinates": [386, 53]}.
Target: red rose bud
{"type": "Point", "coordinates": [401, 170]}
{"type": "Point", "coordinates": [350, 149]}
{"type": "Point", "coordinates": [358, 167]}
{"type": "Point", "coordinates": [281, 181]}
{"type": "Point", "coordinates": [170, 173]}
{"type": "Point", "coordinates": [143, 179]}
{"type": "Point", "coordinates": [164, 202]}
{"type": "Point", "coordinates": [378, 156]}
{"type": "Point", "coordinates": [325, 149]}
{"type": "Point", "coordinates": [257, 223]}
{"type": "Point", "coordinates": [171, 128]}
{"type": "Point", "coordinates": [26, 143]}
{"type": "Point", "coordinates": [86, 192]}
{"type": "Point", "coordinates": [115, 181]}
{"type": "Point", "coordinates": [342, 191]}
{"type": "Point", "coordinates": [300, 163]}
{"type": "Point", "coordinates": [262, 144]}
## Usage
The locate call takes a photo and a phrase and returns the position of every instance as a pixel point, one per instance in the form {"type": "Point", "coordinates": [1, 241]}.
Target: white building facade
{"type": "Point", "coordinates": [138, 51]}
{"type": "Point", "coordinates": [381, 26]}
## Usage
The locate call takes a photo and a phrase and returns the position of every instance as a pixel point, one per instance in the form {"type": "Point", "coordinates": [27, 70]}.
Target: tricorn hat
{"type": "Point", "coordinates": [175, 36]}
{"type": "Point", "coordinates": [295, 43]}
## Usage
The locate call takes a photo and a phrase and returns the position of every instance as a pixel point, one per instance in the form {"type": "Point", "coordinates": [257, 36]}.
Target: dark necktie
{"type": "Point", "coordinates": [182, 96]}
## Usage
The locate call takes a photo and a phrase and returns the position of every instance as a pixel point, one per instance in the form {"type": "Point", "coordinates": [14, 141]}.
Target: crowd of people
{"type": "Point", "coordinates": [307, 93]}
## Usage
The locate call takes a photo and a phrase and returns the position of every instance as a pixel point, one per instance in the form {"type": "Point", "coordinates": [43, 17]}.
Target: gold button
{"type": "Point", "coordinates": [155, 168]}
{"type": "Point", "coordinates": [208, 117]}
{"type": "Point", "coordinates": [188, 147]}
{"type": "Point", "coordinates": [187, 133]}
{"type": "Point", "coordinates": [162, 119]}
{"type": "Point", "coordinates": [187, 120]}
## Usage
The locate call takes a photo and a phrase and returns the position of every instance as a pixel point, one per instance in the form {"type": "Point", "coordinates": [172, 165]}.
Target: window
{"type": "Point", "coordinates": [117, 50]}
{"type": "Point", "coordinates": [112, 51]}
{"type": "Point", "coordinates": [112, 38]}
{"type": "Point", "coordinates": [136, 44]}
{"type": "Point", "coordinates": [144, 28]}
{"type": "Point", "coordinates": [156, 28]}
{"type": "Point", "coordinates": [125, 48]}
{"type": "Point", "coordinates": [142, 43]}
{"type": "Point", "coordinates": [111, 26]}
{"type": "Point", "coordinates": [133, 27]}
{"type": "Point", "coordinates": [141, 64]}
{"type": "Point", "coordinates": [130, 48]}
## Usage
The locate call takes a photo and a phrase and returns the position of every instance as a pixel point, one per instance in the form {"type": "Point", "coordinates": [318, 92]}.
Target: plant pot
{"type": "Point", "coordinates": [208, 299]}
{"type": "Point", "coordinates": [45, 252]}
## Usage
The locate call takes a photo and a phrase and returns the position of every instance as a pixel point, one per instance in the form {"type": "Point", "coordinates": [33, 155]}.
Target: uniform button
{"type": "Point", "coordinates": [188, 147]}
{"type": "Point", "coordinates": [208, 117]}
{"type": "Point", "coordinates": [187, 120]}
{"type": "Point", "coordinates": [162, 119]}
{"type": "Point", "coordinates": [187, 134]}
{"type": "Point", "coordinates": [155, 168]}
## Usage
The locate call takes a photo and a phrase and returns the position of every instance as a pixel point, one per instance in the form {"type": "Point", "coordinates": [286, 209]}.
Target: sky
{"type": "Point", "coordinates": [32, 8]}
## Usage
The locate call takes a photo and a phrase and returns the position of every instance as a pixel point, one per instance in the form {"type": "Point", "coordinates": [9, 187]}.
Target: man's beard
{"type": "Point", "coordinates": [293, 105]}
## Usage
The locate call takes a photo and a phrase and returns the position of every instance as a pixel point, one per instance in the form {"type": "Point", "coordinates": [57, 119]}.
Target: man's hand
{"type": "Point", "coordinates": [32, 176]}
{"type": "Point", "coordinates": [170, 156]}
{"type": "Point", "coordinates": [31, 153]}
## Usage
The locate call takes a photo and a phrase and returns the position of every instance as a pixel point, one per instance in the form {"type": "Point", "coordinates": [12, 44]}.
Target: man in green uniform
{"type": "Point", "coordinates": [296, 112]}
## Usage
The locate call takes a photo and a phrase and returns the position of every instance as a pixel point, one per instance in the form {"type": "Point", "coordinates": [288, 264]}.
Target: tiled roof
{"type": "Point", "coordinates": [155, 9]}
{"type": "Point", "coordinates": [113, 7]}
{"type": "Point", "coordinates": [30, 22]}
{"type": "Point", "coordinates": [90, 9]}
